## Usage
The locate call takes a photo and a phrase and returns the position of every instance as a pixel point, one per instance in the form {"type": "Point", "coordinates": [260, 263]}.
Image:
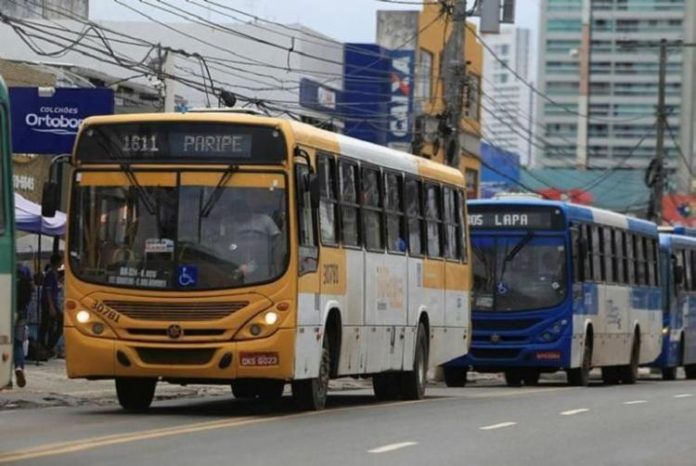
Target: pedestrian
{"type": "Point", "coordinates": [49, 305]}
{"type": "Point", "coordinates": [25, 289]}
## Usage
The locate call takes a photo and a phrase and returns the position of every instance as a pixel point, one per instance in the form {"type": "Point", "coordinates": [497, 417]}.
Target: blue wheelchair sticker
{"type": "Point", "coordinates": [502, 288]}
{"type": "Point", "coordinates": [187, 275]}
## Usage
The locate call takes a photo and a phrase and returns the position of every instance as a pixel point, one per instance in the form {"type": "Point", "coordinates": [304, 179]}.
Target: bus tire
{"type": "Point", "coordinates": [413, 381]}
{"type": "Point", "coordinates": [135, 394]}
{"type": "Point", "coordinates": [610, 375]}
{"type": "Point", "coordinates": [455, 376]}
{"type": "Point", "coordinates": [271, 389]}
{"type": "Point", "coordinates": [244, 389]}
{"type": "Point", "coordinates": [386, 386]}
{"type": "Point", "coordinates": [669, 373]}
{"type": "Point", "coordinates": [531, 377]}
{"type": "Point", "coordinates": [580, 376]}
{"type": "Point", "coordinates": [311, 394]}
{"type": "Point", "coordinates": [690, 371]}
{"type": "Point", "coordinates": [513, 378]}
{"type": "Point", "coordinates": [629, 373]}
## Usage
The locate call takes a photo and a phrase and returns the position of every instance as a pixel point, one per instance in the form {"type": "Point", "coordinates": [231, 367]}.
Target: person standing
{"type": "Point", "coordinates": [25, 289]}
{"type": "Point", "coordinates": [49, 304]}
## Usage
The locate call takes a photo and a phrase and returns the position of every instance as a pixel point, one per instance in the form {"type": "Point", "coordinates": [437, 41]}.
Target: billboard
{"type": "Point", "coordinates": [318, 96]}
{"type": "Point", "coordinates": [47, 121]}
{"type": "Point", "coordinates": [401, 97]}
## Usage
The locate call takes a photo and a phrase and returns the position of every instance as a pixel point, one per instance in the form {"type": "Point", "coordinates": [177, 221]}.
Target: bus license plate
{"type": "Point", "coordinates": [258, 359]}
{"type": "Point", "coordinates": [548, 355]}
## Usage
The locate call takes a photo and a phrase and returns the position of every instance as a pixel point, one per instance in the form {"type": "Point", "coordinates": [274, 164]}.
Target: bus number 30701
{"type": "Point", "coordinates": [104, 311]}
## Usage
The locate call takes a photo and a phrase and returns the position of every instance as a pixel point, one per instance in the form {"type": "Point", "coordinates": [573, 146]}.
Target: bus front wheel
{"type": "Point", "coordinates": [311, 394]}
{"type": "Point", "coordinates": [580, 376]}
{"type": "Point", "coordinates": [135, 394]}
{"type": "Point", "coordinates": [629, 374]}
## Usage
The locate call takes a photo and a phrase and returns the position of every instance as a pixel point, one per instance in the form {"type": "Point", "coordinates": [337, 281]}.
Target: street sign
{"type": "Point", "coordinates": [46, 120]}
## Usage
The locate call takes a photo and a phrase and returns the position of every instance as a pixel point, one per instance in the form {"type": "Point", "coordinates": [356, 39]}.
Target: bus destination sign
{"type": "Point", "coordinates": [547, 219]}
{"type": "Point", "coordinates": [176, 142]}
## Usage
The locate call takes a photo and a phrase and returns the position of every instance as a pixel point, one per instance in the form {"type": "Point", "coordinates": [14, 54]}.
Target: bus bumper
{"type": "Point", "coordinates": [489, 357]}
{"type": "Point", "coordinates": [100, 358]}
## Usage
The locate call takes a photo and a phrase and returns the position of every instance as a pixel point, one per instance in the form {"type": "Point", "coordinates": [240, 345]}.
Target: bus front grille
{"type": "Point", "coordinates": [172, 357]}
{"type": "Point", "coordinates": [191, 332]}
{"type": "Point", "coordinates": [176, 312]}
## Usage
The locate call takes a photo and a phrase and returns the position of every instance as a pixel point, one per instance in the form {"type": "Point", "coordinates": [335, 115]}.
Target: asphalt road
{"type": "Point", "coordinates": [651, 423]}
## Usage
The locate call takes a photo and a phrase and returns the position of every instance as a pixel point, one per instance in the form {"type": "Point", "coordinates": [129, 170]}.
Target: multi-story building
{"type": "Point", "coordinates": [598, 67]}
{"type": "Point", "coordinates": [506, 101]}
{"type": "Point", "coordinates": [394, 89]}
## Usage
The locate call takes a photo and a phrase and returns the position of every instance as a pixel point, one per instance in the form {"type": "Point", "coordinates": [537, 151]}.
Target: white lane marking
{"type": "Point", "coordinates": [683, 395]}
{"type": "Point", "coordinates": [635, 402]}
{"type": "Point", "coordinates": [392, 447]}
{"type": "Point", "coordinates": [498, 426]}
{"type": "Point", "coordinates": [574, 411]}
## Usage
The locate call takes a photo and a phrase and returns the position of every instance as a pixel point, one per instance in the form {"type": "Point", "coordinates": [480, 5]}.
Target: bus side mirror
{"type": "Point", "coordinates": [49, 199]}
{"type": "Point", "coordinates": [314, 190]}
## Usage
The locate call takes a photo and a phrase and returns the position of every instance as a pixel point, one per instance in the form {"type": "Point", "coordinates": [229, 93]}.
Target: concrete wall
{"type": "Point", "coordinates": [47, 9]}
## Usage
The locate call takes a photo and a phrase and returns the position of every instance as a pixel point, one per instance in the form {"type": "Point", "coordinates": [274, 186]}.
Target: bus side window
{"type": "Point", "coordinates": [597, 264]}
{"type": "Point", "coordinates": [641, 278]}
{"type": "Point", "coordinates": [608, 245]}
{"type": "Point", "coordinates": [587, 259]}
{"type": "Point", "coordinates": [578, 265]}
{"type": "Point", "coordinates": [393, 206]}
{"type": "Point", "coordinates": [630, 259]}
{"type": "Point", "coordinates": [693, 269]}
{"type": "Point", "coordinates": [433, 219]}
{"type": "Point", "coordinates": [4, 136]}
{"type": "Point", "coordinates": [650, 261]}
{"type": "Point", "coordinates": [350, 206]}
{"type": "Point", "coordinates": [619, 276]}
{"type": "Point", "coordinates": [688, 272]}
{"type": "Point", "coordinates": [308, 251]}
{"type": "Point", "coordinates": [328, 203]}
{"type": "Point", "coordinates": [372, 215]}
{"type": "Point", "coordinates": [462, 225]}
{"type": "Point", "coordinates": [414, 216]}
{"type": "Point", "coordinates": [450, 223]}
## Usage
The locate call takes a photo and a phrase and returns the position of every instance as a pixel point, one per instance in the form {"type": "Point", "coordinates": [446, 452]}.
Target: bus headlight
{"type": "Point", "coordinates": [262, 325]}
{"type": "Point", "coordinates": [82, 317]}
{"type": "Point", "coordinates": [554, 331]}
{"type": "Point", "coordinates": [665, 330]}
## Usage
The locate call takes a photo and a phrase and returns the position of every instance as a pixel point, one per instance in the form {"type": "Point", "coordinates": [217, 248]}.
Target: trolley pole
{"type": "Point", "coordinates": [659, 185]}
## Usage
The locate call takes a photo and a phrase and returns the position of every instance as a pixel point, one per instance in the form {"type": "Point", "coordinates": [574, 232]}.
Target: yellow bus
{"type": "Point", "coordinates": [227, 248]}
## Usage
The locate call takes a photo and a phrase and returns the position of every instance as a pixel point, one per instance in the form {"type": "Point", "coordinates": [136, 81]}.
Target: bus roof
{"type": "Point", "coordinates": [669, 239]}
{"type": "Point", "coordinates": [311, 136]}
{"type": "Point", "coordinates": [581, 213]}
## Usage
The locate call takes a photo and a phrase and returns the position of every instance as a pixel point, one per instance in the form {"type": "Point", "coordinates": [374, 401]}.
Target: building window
{"type": "Point", "coordinates": [471, 183]}
{"type": "Point", "coordinates": [424, 90]}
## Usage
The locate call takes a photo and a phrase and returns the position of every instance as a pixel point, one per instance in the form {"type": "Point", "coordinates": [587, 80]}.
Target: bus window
{"type": "Point", "coordinates": [587, 259]}
{"type": "Point", "coordinates": [641, 276]}
{"type": "Point", "coordinates": [350, 227]}
{"type": "Point", "coordinates": [462, 227]}
{"type": "Point", "coordinates": [414, 214]}
{"type": "Point", "coordinates": [450, 221]}
{"type": "Point", "coordinates": [619, 257]}
{"type": "Point", "coordinates": [575, 235]}
{"type": "Point", "coordinates": [692, 285]}
{"type": "Point", "coordinates": [650, 261]}
{"type": "Point", "coordinates": [328, 204]}
{"type": "Point", "coordinates": [308, 251]}
{"type": "Point", "coordinates": [608, 246]}
{"type": "Point", "coordinates": [630, 259]}
{"type": "Point", "coordinates": [396, 237]}
{"type": "Point", "coordinates": [688, 273]}
{"type": "Point", "coordinates": [597, 265]}
{"type": "Point", "coordinates": [372, 209]}
{"type": "Point", "coordinates": [433, 220]}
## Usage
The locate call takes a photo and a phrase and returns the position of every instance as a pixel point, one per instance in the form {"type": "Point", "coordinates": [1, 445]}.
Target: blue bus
{"type": "Point", "coordinates": [678, 263]}
{"type": "Point", "coordinates": [559, 286]}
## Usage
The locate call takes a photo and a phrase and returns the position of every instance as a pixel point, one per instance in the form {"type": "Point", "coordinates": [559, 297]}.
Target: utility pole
{"type": "Point", "coordinates": [455, 82]}
{"type": "Point", "coordinates": [169, 83]}
{"type": "Point", "coordinates": [584, 90]}
{"type": "Point", "coordinates": [659, 185]}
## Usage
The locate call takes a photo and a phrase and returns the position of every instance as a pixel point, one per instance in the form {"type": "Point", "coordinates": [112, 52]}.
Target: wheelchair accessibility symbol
{"type": "Point", "coordinates": [502, 288]}
{"type": "Point", "coordinates": [187, 275]}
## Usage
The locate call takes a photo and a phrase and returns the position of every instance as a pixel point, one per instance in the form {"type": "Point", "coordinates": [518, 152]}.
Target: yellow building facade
{"type": "Point", "coordinates": [435, 30]}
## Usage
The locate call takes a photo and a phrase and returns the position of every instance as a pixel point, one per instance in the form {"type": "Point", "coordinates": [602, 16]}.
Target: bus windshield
{"type": "Point", "coordinates": [518, 272]}
{"type": "Point", "coordinates": [240, 240]}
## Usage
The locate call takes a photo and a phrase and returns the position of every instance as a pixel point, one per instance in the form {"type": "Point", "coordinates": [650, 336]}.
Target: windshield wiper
{"type": "Point", "coordinates": [142, 194]}
{"type": "Point", "coordinates": [516, 250]}
{"type": "Point", "coordinates": [217, 192]}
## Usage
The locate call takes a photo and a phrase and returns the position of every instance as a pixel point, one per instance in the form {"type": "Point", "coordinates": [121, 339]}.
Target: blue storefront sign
{"type": "Point", "coordinates": [48, 123]}
{"type": "Point", "coordinates": [401, 101]}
